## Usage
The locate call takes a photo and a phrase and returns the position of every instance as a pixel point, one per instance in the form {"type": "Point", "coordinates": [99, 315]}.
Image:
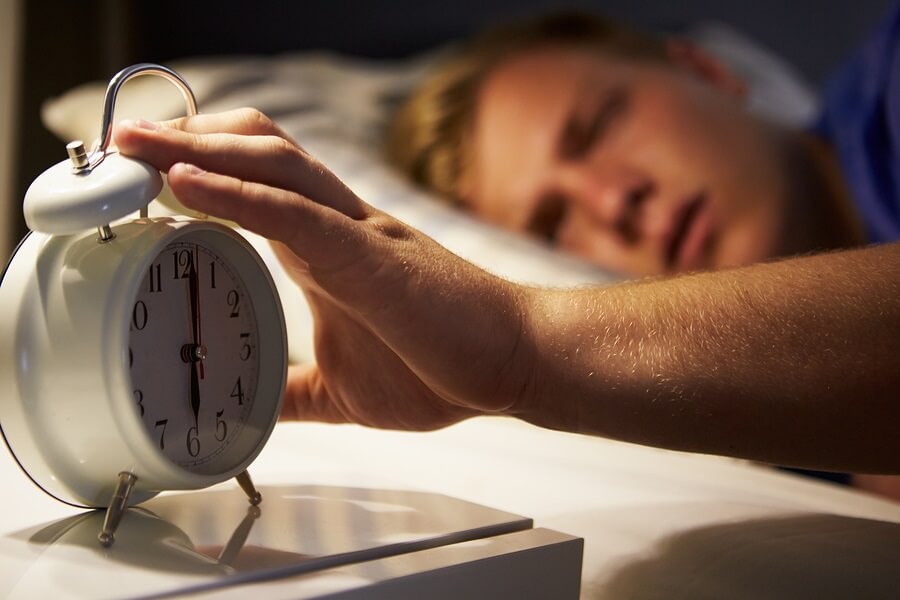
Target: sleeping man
{"type": "Point", "coordinates": [637, 157]}
{"type": "Point", "coordinates": [637, 153]}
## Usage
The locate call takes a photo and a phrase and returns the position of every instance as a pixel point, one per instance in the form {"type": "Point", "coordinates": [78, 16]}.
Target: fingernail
{"type": "Point", "coordinates": [150, 125]}
{"type": "Point", "coordinates": [193, 169]}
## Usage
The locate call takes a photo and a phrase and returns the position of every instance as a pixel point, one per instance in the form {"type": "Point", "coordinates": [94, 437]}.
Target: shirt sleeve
{"type": "Point", "coordinates": [861, 118]}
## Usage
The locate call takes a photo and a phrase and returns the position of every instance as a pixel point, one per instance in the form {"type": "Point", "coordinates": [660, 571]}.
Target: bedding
{"type": "Point", "coordinates": [337, 108]}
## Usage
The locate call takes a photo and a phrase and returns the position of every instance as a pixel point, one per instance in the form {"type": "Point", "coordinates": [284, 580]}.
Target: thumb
{"type": "Point", "coordinates": [307, 399]}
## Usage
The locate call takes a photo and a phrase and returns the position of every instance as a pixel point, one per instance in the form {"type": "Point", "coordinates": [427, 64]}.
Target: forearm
{"type": "Point", "coordinates": [793, 362]}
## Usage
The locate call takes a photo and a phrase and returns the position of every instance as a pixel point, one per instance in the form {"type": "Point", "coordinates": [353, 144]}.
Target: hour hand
{"type": "Point", "coordinates": [193, 354]}
{"type": "Point", "coordinates": [195, 394]}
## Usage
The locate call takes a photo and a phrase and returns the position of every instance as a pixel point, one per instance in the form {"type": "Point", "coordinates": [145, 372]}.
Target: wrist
{"type": "Point", "coordinates": [539, 394]}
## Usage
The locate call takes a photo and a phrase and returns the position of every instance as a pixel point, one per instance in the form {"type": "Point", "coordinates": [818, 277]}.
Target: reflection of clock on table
{"type": "Point", "coordinates": [135, 356]}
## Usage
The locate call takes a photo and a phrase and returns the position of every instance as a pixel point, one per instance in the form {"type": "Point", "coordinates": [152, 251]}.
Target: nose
{"type": "Point", "coordinates": [613, 199]}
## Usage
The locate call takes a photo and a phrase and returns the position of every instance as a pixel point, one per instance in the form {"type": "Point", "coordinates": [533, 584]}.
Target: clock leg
{"type": "Point", "coordinates": [117, 507]}
{"type": "Point", "coordinates": [247, 485]}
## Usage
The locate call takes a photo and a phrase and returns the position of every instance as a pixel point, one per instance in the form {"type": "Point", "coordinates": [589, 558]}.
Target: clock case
{"type": "Point", "coordinates": [67, 409]}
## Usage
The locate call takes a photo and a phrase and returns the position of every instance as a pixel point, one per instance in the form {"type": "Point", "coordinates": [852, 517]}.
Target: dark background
{"type": "Point", "coordinates": [66, 43]}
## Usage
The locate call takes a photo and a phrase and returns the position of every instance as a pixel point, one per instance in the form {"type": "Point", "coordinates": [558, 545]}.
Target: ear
{"type": "Point", "coordinates": [694, 59]}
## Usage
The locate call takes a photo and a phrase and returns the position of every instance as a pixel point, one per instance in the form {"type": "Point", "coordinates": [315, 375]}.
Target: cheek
{"type": "Point", "coordinates": [684, 134]}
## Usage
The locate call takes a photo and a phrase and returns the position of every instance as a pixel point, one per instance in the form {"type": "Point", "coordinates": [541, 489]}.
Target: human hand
{"type": "Point", "coordinates": [407, 335]}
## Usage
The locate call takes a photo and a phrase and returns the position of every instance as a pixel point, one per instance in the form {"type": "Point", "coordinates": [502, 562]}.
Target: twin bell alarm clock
{"type": "Point", "coordinates": [136, 354]}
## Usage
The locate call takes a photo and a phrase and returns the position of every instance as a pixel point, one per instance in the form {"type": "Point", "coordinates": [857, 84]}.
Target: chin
{"type": "Point", "coordinates": [746, 247]}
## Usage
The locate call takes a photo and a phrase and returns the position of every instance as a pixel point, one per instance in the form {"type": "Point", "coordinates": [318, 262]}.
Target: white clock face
{"type": "Point", "coordinates": [193, 353]}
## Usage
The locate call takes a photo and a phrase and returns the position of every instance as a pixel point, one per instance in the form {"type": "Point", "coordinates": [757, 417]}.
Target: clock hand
{"type": "Point", "coordinates": [198, 352]}
{"type": "Point", "coordinates": [193, 283]}
{"type": "Point", "coordinates": [195, 395]}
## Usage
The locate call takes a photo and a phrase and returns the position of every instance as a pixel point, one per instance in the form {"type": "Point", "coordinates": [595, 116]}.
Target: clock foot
{"type": "Point", "coordinates": [247, 485]}
{"type": "Point", "coordinates": [117, 507]}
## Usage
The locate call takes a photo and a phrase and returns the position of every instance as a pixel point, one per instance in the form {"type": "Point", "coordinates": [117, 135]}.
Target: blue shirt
{"type": "Point", "coordinates": [861, 119]}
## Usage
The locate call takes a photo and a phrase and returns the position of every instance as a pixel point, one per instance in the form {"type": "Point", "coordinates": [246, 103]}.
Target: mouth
{"type": "Point", "coordinates": [687, 243]}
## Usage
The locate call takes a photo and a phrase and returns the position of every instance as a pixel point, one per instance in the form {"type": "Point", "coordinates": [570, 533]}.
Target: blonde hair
{"type": "Point", "coordinates": [427, 139]}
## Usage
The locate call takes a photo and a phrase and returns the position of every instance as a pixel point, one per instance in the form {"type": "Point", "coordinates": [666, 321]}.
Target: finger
{"type": "Point", "coordinates": [262, 158]}
{"type": "Point", "coordinates": [317, 232]}
{"type": "Point", "coordinates": [240, 121]}
{"type": "Point", "coordinates": [307, 399]}
{"type": "Point", "coordinates": [266, 159]}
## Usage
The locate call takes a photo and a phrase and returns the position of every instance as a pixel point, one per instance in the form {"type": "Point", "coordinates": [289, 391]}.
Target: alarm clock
{"type": "Point", "coordinates": [137, 354]}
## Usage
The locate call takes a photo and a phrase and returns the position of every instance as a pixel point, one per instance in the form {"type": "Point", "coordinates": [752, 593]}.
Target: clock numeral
{"type": "Point", "coordinates": [182, 261]}
{"type": "Point", "coordinates": [139, 315]}
{"type": "Point", "coordinates": [212, 274]}
{"type": "Point", "coordinates": [130, 358]}
{"type": "Point", "coordinates": [155, 278]}
{"type": "Point", "coordinates": [193, 441]}
{"type": "Point", "coordinates": [233, 300]}
{"type": "Point", "coordinates": [139, 396]}
{"type": "Point", "coordinates": [162, 434]}
{"type": "Point", "coordinates": [237, 392]}
{"type": "Point", "coordinates": [221, 426]}
{"type": "Point", "coordinates": [245, 349]}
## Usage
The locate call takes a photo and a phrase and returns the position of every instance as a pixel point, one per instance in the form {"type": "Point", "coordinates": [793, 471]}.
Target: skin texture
{"type": "Point", "coordinates": [779, 362]}
{"type": "Point", "coordinates": [647, 167]}
{"type": "Point", "coordinates": [410, 336]}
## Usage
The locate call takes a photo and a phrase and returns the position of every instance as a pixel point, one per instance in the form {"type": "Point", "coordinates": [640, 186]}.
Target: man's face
{"type": "Point", "coordinates": [644, 168]}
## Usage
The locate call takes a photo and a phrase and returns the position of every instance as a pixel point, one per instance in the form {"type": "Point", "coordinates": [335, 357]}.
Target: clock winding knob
{"type": "Point", "coordinates": [77, 154]}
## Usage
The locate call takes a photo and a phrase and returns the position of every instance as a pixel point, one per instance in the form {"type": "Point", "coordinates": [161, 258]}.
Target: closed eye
{"type": "Point", "coordinates": [547, 217]}
{"type": "Point", "coordinates": [585, 129]}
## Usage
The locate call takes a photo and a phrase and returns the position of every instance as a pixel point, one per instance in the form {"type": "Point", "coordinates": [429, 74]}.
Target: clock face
{"type": "Point", "coordinates": [193, 353]}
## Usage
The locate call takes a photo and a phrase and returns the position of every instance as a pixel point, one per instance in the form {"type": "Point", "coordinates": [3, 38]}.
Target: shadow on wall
{"type": "Point", "coordinates": [810, 556]}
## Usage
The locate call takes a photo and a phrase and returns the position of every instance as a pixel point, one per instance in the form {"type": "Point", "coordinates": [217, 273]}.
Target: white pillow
{"type": "Point", "coordinates": [776, 89]}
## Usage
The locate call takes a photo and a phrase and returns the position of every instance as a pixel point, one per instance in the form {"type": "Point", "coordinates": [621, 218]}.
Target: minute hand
{"type": "Point", "coordinates": [193, 283]}
{"type": "Point", "coordinates": [195, 325]}
{"type": "Point", "coordinates": [195, 301]}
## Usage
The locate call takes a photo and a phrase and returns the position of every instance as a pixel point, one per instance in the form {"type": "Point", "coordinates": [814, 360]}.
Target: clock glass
{"type": "Point", "coordinates": [193, 353]}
